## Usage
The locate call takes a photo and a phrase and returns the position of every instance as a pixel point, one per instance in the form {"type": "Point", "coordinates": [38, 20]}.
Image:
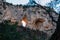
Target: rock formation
{"type": "Point", "coordinates": [36, 17]}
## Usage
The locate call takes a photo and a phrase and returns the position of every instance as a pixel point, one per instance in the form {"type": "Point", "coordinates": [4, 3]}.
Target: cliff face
{"type": "Point", "coordinates": [36, 17]}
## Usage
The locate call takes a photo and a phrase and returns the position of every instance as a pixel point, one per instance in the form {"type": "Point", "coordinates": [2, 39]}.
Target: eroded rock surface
{"type": "Point", "coordinates": [36, 17]}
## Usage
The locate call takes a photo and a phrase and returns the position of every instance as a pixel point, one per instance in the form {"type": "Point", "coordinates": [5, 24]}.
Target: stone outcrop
{"type": "Point", "coordinates": [37, 17]}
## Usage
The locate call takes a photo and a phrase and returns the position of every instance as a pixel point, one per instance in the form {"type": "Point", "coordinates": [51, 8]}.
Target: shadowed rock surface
{"type": "Point", "coordinates": [41, 22]}
{"type": "Point", "coordinates": [56, 35]}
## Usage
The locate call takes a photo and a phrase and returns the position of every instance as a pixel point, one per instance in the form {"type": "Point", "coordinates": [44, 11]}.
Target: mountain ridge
{"type": "Point", "coordinates": [16, 13]}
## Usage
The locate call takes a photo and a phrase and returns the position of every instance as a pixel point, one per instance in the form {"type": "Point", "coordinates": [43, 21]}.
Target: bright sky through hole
{"type": "Point", "coordinates": [23, 23]}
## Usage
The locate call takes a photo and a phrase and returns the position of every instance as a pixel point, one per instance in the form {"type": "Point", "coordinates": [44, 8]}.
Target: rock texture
{"type": "Point", "coordinates": [37, 17]}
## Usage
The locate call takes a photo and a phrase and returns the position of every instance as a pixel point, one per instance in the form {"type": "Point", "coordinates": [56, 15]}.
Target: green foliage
{"type": "Point", "coordinates": [10, 33]}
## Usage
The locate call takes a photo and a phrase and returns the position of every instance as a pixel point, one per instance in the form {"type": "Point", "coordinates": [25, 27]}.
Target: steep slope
{"type": "Point", "coordinates": [38, 17]}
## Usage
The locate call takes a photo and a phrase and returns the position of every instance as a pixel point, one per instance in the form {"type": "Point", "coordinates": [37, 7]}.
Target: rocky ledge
{"type": "Point", "coordinates": [36, 17]}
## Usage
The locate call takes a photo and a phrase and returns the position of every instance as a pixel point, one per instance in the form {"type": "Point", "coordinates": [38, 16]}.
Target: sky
{"type": "Point", "coordinates": [55, 4]}
{"type": "Point", "coordinates": [15, 2]}
{"type": "Point", "coordinates": [42, 2]}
